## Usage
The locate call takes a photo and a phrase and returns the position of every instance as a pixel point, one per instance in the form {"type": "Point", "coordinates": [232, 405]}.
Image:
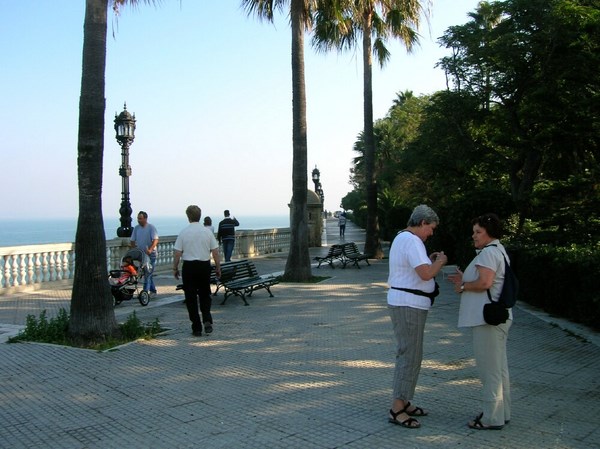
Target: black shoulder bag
{"type": "Point", "coordinates": [496, 312]}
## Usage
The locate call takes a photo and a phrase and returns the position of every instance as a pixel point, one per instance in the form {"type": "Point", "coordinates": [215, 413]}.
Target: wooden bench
{"type": "Point", "coordinates": [351, 253]}
{"type": "Point", "coordinates": [240, 278]}
{"type": "Point", "coordinates": [335, 253]}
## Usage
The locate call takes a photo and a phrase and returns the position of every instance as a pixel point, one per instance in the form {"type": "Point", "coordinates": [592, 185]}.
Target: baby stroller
{"type": "Point", "coordinates": [128, 288]}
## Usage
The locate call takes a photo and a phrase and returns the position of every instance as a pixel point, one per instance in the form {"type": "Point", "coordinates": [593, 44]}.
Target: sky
{"type": "Point", "coordinates": [211, 91]}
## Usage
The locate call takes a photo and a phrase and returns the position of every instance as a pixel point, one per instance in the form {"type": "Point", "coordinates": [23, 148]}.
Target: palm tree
{"type": "Point", "coordinates": [339, 24]}
{"type": "Point", "coordinates": [92, 314]}
{"type": "Point", "coordinates": [297, 267]}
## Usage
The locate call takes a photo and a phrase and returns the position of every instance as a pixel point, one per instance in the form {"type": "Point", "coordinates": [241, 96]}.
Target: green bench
{"type": "Point", "coordinates": [351, 253]}
{"type": "Point", "coordinates": [335, 253]}
{"type": "Point", "coordinates": [240, 278]}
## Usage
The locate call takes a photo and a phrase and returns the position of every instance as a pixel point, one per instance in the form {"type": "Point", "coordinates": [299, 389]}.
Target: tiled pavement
{"type": "Point", "coordinates": [309, 368]}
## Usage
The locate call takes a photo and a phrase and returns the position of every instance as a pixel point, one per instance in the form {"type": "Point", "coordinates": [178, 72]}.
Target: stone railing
{"type": "Point", "coordinates": [25, 267]}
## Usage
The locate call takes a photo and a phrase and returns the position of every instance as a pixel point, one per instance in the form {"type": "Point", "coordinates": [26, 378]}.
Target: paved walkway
{"type": "Point", "coordinates": [309, 368]}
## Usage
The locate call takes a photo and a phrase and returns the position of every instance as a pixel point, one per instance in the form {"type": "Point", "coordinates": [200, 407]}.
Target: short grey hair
{"type": "Point", "coordinates": [423, 213]}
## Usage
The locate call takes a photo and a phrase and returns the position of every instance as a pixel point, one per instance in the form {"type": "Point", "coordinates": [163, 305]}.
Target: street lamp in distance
{"type": "Point", "coordinates": [125, 133]}
{"type": "Point", "coordinates": [316, 177]}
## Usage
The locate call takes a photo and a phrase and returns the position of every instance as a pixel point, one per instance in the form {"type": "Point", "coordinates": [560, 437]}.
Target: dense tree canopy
{"type": "Point", "coordinates": [516, 132]}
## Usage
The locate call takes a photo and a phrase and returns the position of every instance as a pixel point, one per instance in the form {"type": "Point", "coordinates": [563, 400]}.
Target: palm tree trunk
{"type": "Point", "coordinates": [92, 314]}
{"type": "Point", "coordinates": [372, 242]}
{"type": "Point", "coordinates": [297, 267]}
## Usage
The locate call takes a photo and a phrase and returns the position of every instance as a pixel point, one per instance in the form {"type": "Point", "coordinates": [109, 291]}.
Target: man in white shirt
{"type": "Point", "coordinates": [194, 246]}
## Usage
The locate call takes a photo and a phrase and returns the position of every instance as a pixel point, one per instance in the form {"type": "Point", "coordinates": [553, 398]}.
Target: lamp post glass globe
{"type": "Point", "coordinates": [125, 134]}
{"type": "Point", "coordinates": [316, 175]}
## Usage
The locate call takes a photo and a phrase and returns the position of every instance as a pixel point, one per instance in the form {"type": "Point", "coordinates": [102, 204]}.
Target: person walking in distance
{"type": "Point", "coordinates": [342, 224]}
{"type": "Point", "coordinates": [194, 245]}
{"type": "Point", "coordinates": [226, 234]}
{"type": "Point", "coordinates": [145, 237]}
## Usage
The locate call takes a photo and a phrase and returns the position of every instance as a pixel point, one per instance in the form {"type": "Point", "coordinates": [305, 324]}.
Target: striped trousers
{"type": "Point", "coordinates": [409, 326]}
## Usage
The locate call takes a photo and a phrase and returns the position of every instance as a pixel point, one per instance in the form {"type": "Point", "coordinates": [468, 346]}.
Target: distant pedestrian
{"type": "Point", "coordinates": [485, 276]}
{"type": "Point", "coordinates": [226, 234]}
{"type": "Point", "coordinates": [145, 237]}
{"type": "Point", "coordinates": [412, 290]}
{"type": "Point", "coordinates": [208, 224]}
{"type": "Point", "coordinates": [194, 245]}
{"type": "Point", "coordinates": [342, 224]}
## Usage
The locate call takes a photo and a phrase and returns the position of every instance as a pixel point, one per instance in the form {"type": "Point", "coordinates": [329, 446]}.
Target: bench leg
{"type": "Point", "coordinates": [225, 298]}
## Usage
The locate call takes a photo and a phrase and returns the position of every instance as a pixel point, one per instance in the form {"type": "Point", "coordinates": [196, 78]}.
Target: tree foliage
{"type": "Point", "coordinates": [516, 132]}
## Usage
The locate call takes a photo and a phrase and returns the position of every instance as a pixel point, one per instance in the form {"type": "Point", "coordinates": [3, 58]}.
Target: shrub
{"type": "Point", "coordinates": [560, 280]}
{"type": "Point", "coordinates": [56, 330]}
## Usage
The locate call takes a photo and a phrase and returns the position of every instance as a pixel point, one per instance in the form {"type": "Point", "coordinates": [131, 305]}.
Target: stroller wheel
{"type": "Point", "coordinates": [144, 298]}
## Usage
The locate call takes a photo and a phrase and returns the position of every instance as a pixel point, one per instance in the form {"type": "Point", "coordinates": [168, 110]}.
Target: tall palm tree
{"type": "Point", "coordinates": [92, 314]}
{"type": "Point", "coordinates": [297, 267]}
{"type": "Point", "coordinates": [339, 24]}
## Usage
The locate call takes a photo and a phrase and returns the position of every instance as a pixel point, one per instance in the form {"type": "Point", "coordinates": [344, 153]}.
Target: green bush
{"type": "Point", "coordinates": [560, 280]}
{"type": "Point", "coordinates": [44, 330]}
{"type": "Point", "coordinates": [56, 330]}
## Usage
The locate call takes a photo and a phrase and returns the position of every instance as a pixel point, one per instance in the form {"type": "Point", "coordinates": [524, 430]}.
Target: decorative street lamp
{"type": "Point", "coordinates": [316, 177]}
{"type": "Point", "coordinates": [125, 129]}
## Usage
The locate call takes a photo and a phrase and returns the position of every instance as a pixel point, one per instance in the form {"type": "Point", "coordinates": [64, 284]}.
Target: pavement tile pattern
{"type": "Point", "coordinates": [310, 368]}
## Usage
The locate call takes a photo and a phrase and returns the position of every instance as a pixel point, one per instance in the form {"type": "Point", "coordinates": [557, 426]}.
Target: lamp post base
{"type": "Point", "coordinates": [124, 231]}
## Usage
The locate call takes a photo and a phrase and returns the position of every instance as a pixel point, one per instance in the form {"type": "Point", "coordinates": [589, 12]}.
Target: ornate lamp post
{"type": "Point", "coordinates": [316, 177]}
{"type": "Point", "coordinates": [125, 129]}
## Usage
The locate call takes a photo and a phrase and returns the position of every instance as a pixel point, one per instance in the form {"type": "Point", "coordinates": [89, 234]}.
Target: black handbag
{"type": "Point", "coordinates": [494, 313]}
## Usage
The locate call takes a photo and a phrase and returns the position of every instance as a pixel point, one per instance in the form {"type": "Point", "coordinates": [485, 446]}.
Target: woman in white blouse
{"type": "Point", "coordinates": [411, 294]}
{"type": "Point", "coordinates": [486, 272]}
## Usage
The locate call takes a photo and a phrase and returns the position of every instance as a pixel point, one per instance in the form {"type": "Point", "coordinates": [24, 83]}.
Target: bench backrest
{"type": "Point", "coordinates": [239, 269]}
{"type": "Point", "coordinates": [335, 250]}
{"type": "Point", "coordinates": [350, 249]}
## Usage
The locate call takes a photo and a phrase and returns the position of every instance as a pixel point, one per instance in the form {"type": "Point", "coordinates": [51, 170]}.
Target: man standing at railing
{"type": "Point", "coordinates": [226, 235]}
{"type": "Point", "coordinates": [145, 237]}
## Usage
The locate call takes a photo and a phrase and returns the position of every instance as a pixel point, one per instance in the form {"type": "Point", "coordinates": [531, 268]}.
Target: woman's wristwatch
{"type": "Point", "coordinates": [462, 287]}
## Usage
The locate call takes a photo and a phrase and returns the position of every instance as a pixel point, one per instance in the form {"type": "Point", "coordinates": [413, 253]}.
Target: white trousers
{"type": "Point", "coordinates": [489, 345]}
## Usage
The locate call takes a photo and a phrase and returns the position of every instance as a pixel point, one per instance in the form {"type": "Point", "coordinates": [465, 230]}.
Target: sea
{"type": "Point", "coordinates": [17, 232]}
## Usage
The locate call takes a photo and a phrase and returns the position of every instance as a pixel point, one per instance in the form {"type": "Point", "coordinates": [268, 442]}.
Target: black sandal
{"type": "Point", "coordinates": [478, 425]}
{"type": "Point", "coordinates": [408, 423]}
{"type": "Point", "coordinates": [418, 411]}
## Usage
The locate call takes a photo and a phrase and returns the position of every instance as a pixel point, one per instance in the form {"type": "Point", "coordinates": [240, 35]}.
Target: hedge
{"type": "Point", "coordinates": [563, 281]}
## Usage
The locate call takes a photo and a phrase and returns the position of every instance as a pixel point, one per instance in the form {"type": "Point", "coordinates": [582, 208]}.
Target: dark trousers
{"type": "Point", "coordinates": [228, 248]}
{"type": "Point", "coordinates": [196, 286]}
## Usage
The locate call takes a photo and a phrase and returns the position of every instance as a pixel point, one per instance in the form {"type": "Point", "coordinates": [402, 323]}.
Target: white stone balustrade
{"type": "Point", "coordinates": [26, 267]}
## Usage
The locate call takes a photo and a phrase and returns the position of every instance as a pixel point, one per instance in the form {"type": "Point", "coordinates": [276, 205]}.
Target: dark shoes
{"type": "Point", "coordinates": [477, 424]}
{"type": "Point", "coordinates": [409, 423]}
{"type": "Point", "coordinates": [208, 328]}
{"type": "Point", "coordinates": [416, 411]}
